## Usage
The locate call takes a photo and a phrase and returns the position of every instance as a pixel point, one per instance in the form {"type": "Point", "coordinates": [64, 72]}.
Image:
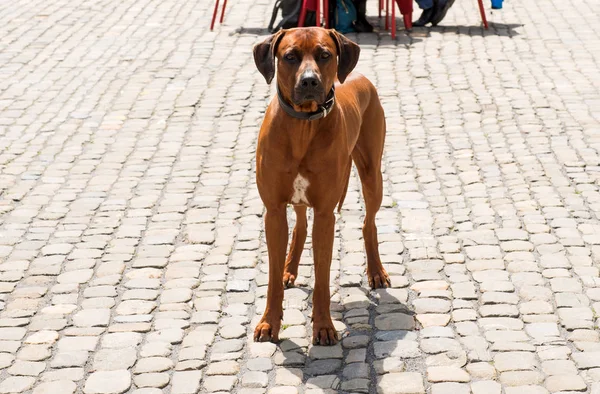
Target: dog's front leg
{"type": "Point", "coordinates": [324, 332]}
{"type": "Point", "coordinates": [276, 228]}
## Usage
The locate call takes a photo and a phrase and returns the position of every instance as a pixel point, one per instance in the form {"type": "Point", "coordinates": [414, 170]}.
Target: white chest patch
{"type": "Point", "coordinates": [300, 186]}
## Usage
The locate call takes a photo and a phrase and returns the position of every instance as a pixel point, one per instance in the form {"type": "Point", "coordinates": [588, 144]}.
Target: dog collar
{"type": "Point", "coordinates": [323, 111]}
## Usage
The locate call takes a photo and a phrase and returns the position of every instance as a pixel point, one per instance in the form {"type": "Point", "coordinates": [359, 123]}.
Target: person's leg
{"type": "Point", "coordinates": [441, 10]}
{"type": "Point", "coordinates": [425, 4]}
{"type": "Point", "coordinates": [429, 9]}
{"type": "Point", "coordinates": [361, 24]}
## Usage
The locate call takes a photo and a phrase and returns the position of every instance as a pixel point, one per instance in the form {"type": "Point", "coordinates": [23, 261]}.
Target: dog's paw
{"type": "Point", "coordinates": [379, 279]}
{"type": "Point", "coordinates": [265, 332]}
{"type": "Point", "coordinates": [324, 334]}
{"type": "Point", "coordinates": [289, 279]}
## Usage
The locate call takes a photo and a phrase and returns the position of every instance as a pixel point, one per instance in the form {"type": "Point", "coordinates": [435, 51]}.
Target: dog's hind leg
{"type": "Point", "coordinates": [367, 156]}
{"type": "Point", "coordinates": [290, 272]}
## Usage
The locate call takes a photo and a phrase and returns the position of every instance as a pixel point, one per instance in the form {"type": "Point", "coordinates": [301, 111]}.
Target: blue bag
{"type": "Point", "coordinates": [345, 16]}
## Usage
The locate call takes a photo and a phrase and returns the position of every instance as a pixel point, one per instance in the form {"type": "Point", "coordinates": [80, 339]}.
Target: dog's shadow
{"type": "Point", "coordinates": [378, 336]}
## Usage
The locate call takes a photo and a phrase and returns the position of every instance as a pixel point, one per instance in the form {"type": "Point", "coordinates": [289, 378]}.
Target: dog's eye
{"type": "Point", "coordinates": [325, 55]}
{"type": "Point", "coordinates": [289, 57]}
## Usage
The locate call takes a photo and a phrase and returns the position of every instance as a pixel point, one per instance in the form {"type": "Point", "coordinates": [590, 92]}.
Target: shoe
{"type": "Point", "coordinates": [425, 17]}
{"type": "Point", "coordinates": [361, 25]}
{"type": "Point", "coordinates": [441, 11]}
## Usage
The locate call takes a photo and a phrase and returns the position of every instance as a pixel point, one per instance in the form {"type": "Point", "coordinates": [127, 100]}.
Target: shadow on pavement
{"type": "Point", "coordinates": [379, 37]}
{"type": "Point", "coordinates": [251, 31]}
{"type": "Point", "coordinates": [377, 338]}
{"type": "Point", "coordinates": [497, 29]}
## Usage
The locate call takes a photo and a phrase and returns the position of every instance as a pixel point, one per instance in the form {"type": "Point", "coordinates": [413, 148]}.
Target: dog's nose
{"type": "Point", "coordinates": [309, 81]}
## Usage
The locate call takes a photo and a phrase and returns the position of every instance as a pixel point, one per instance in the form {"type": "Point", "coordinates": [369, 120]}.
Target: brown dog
{"type": "Point", "coordinates": [310, 135]}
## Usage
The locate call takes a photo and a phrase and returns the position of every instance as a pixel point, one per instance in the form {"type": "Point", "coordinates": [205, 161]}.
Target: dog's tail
{"type": "Point", "coordinates": [345, 187]}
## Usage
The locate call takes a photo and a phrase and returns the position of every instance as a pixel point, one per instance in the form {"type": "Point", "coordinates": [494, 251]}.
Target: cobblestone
{"type": "Point", "coordinates": [132, 250]}
{"type": "Point", "coordinates": [108, 382]}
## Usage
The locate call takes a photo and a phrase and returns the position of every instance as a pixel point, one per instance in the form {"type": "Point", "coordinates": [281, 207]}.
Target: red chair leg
{"type": "Point", "coordinates": [407, 21]}
{"type": "Point", "coordinates": [380, 7]}
{"type": "Point", "coordinates": [223, 10]}
{"type": "Point", "coordinates": [482, 11]}
{"type": "Point", "coordinates": [406, 9]}
{"type": "Point", "coordinates": [387, 17]}
{"type": "Point", "coordinates": [393, 20]}
{"type": "Point", "coordinates": [326, 13]}
{"type": "Point", "coordinates": [212, 23]}
{"type": "Point", "coordinates": [302, 16]}
{"type": "Point", "coordinates": [318, 14]}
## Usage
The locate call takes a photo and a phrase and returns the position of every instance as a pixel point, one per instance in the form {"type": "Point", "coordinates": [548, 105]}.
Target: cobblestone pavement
{"type": "Point", "coordinates": [132, 256]}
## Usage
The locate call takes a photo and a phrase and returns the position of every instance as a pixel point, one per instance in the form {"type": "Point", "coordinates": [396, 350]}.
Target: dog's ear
{"type": "Point", "coordinates": [264, 55]}
{"type": "Point", "coordinates": [348, 53]}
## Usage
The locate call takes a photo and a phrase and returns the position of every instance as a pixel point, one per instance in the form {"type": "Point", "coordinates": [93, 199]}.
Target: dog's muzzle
{"type": "Point", "coordinates": [309, 88]}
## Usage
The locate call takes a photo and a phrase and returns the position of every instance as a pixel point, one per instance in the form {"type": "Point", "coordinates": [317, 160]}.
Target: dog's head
{"type": "Point", "coordinates": [308, 62]}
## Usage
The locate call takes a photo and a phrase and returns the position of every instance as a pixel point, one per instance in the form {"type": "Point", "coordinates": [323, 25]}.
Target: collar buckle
{"type": "Point", "coordinates": [322, 112]}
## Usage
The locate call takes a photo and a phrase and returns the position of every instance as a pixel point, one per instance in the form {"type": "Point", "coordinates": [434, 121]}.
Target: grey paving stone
{"type": "Point", "coordinates": [431, 305]}
{"type": "Point", "coordinates": [92, 318]}
{"type": "Point", "coordinates": [262, 349]}
{"type": "Point", "coordinates": [394, 321]}
{"type": "Point", "coordinates": [16, 384]}
{"type": "Point", "coordinates": [152, 364]}
{"type": "Point", "coordinates": [255, 379]}
{"type": "Point", "coordinates": [57, 386]}
{"type": "Point", "coordinates": [12, 333]}
{"type": "Point", "coordinates": [586, 360]}
{"type": "Point", "coordinates": [356, 371]}
{"type": "Point", "coordinates": [121, 340]}
{"type": "Point", "coordinates": [151, 379]}
{"type": "Point", "coordinates": [77, 343]}
{"type": "Point", "coordinates": [105, 382]}
{"type": "Point", "coordinates": [219, 383]}
{"type": "Point", "coordinates": [402, 349]}
{"type": "Point", "coordinates": [486, 386]}
{"type": "Point", "coordinates": [323, 382]}
{"type": "Point", "coordinates": [355, 341]}
{"type": "Point", "coordinates": [521, 378]}
{"type": "Point", "coordinates": [446, 388]}
{"type": "Point", "coordinates": [26, 368]}
{"type": "Point", "coordinates": [192, 353]}
{"type": "Point", "coordinates": [288, 376]}
{"type": "Point", "coordinates": [128, 178]}
{"type": "Point", "coordinates": [6, 359]}
{"type": "Point", "coordinates": [323, 352]}
{"type": "Point", "coordinates": [283, 390]}
{"type": "Point", "coordinates": [65, 359]}
{"type": "Point", "coordinates": [388, 365]}
{"type": "Point", "coordinates": [41, 337]}
{"type": "Point", "coordinates": [526, 389]}
{"type": "Point", "coordinates": [324, 366]}
{"type": "Point", "coordinates": [34, 353]}
{"type": "Point", "coordinates": [259, 364]}
{"type": "Point", "coordinates": [438, 374]}
{"type": "Point", "coordinates": [223, 368]}
{"type": "Point", "coordinates": [565, 382]}
{"type": "Point", "coordinates": [401, 383]}
{"type": "Point", "coordinates": [356, 356]}
{"type": "Point", "coordinates": [72, 374]}
{"type": "Point", "coordinates": [356, 385]}
{"type": "Point", "coordinates": [289, 359]}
